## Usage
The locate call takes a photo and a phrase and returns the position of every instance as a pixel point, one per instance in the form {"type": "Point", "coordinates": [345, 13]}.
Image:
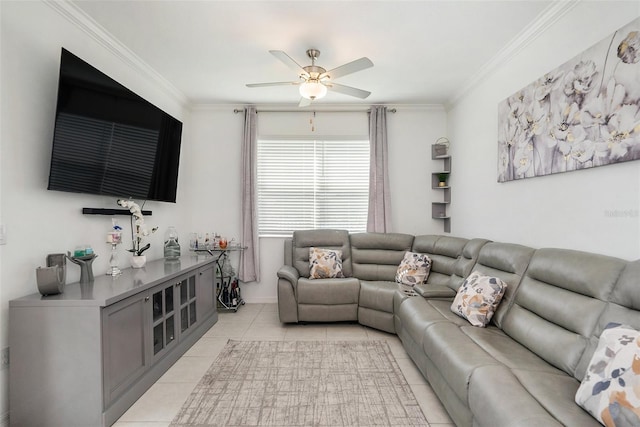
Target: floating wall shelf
{"type": "Point", "coordinates": [102, 211]}
{"type": "Point", "coordinates": [439, 209]}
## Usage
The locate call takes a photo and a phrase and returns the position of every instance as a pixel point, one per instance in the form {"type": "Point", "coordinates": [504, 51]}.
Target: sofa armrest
{"type": "Point", "coordinates": [435, 291]}
{"type": "Point", "coordinates": [289, 273]}
{"type": "Point", "coordinates": [287, 296]}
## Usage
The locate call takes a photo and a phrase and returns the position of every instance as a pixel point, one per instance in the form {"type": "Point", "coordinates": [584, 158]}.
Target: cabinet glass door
{"type": "Point", "coordinates": [188, 315]}
{"type": "Point", "coordinates": [164, 329]}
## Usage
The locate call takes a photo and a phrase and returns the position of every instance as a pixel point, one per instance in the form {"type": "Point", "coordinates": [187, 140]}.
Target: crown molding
{"type": "Point", "coordinates": [544, 20]}
{"type": "Point", "coordinates": [316, 107]}
{"type": "Point", "coordinates": [89, 26]}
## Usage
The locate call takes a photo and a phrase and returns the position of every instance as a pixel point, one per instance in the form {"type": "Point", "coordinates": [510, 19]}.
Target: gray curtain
{"type": "Point", "coordinates": [379, 216]}
{"type": "Point", "coordinates": [249, 269]}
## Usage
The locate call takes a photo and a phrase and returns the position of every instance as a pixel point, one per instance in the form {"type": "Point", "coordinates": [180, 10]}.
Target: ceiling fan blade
{"type": "Point", "coordinates": [289, 62]}
{"type": "Point", "coordinates": [348, 68]}
{"type": "Point", "coordinates": [272, 84]}
{"type": "Point", "coordinates": [348, 90]}
{"type": "Point", "coordinates": [304, 102]}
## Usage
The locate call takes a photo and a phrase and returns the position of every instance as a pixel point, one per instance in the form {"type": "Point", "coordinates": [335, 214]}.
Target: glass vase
{"type": "Point", "coordinates": [171, 245]}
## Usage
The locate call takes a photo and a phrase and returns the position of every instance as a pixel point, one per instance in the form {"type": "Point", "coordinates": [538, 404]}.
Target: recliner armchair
{"type": "Point", "coordinates": [301, 299]}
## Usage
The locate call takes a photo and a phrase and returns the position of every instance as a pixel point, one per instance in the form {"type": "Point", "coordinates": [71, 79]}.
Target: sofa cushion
{"type": "Point", "coordinates": [417, 313]}
{"type": "Point", "coordinates": [413, 269]}
{"type": "Point", "coordinates": [442, 245]}
{"type": "Point", "coordinates": [377, 295]}
{"type": "Point", "coordinates": [555, 392]}
{"type": "Point", "coordinates": [465, 263]}
{"type": "Point", "coordinates": [497, 397]}
{"type": "Point", "coordinates": [327, 312]}
{"type": "Point", "coordinates": [625, 291]}
{"type": "Point", "coordinates": [454, 354]}
{"type": "Point", "coordinates": [509, 262]}
{"type": "Point", "coordinates": [376, 255]}
{"type": "Point", "coordinates": [328, 291]}
{"type": "Point", "coordinates": [559, 302]}
{"type": "Point", "coordinates": [508, 351]}
{"type": "Point", "coordinates": [325, 263]}
{"type": "Point", "coordinates": [478, 298]}
{"type": "Point", "coordinates": [608, 390]}
{"type": "Point", "coordinates": [444, 252]}
{"type": "Point", "coordinates": [330, 239]}
{"type": "Point", "coordinates": [623, 308]}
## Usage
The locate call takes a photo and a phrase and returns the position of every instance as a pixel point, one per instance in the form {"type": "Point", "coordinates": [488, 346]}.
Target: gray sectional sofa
{"type": "Point", "coordinates": [525, 367]}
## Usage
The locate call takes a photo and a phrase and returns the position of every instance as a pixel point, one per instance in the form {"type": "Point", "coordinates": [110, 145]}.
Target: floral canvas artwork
{"type": "Point", "coordinates": [583, 114]}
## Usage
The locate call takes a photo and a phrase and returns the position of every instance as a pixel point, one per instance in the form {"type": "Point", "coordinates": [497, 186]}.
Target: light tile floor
{"type": "Point", "coordinates": [158, 406]}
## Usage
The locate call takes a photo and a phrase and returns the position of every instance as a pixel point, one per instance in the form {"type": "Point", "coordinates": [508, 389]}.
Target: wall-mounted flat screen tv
{"type": "Point", "coordinates": [110, 141]}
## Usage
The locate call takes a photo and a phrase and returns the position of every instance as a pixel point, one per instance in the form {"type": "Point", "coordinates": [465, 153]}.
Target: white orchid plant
{"type": "Point", "coordinates": [138, 228]}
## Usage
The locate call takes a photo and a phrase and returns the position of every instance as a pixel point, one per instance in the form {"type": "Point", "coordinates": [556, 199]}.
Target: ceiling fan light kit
{"type": "Point", "coordinates": [314, 81]}
{"type": "Point", "coordinates": [313, 90]}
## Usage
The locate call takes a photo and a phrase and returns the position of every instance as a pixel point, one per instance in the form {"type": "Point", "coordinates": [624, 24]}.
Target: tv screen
{"type": "Point", "coordinates": [110, 141]}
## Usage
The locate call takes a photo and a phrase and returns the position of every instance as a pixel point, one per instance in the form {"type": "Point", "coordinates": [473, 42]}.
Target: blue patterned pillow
{"type": "Point", "coordinates": [478, 298]}
{"type": "Point", "coordinates": [414, 269]}
{"type": "Point", "coordinates": [325, 263]}
{"type": "Point", "coordinates": [610, 390]}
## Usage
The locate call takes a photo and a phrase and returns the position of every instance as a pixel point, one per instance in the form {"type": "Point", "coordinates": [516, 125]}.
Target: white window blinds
{"type": "Point", "coordinates": [304, 184]}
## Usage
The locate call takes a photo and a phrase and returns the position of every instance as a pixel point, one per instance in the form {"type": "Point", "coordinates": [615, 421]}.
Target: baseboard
{"type": "Point", "coordinates": [262, 300]}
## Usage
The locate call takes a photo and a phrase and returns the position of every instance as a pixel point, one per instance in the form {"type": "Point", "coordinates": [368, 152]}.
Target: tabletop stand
{"type": "Point", "coordinates": [228, 291]}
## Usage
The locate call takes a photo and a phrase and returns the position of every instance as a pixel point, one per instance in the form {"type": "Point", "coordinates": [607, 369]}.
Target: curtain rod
{"type": "Point", "coordinates": [241, 110]}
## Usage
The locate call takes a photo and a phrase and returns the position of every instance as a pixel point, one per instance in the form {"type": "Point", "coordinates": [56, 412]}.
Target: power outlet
{"type": "Point", "coordinates": [4, 358]}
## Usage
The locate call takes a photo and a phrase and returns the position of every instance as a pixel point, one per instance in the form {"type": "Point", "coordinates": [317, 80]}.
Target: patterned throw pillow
{"type": "Point", "coordinates": [610, 390]}
{"type": "Point", "coordinates": [478, 297]}
{"type": "Point", "coordinates": [325, 263]}
{"type": "Point", "coordinates": [413, 269]}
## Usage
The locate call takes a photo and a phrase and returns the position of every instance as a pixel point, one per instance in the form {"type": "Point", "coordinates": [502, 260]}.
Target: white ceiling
{"type": "Point", "coordinates": [424, 52]}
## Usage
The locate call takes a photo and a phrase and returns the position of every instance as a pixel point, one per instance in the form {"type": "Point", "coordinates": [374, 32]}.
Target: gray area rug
{"type": "Point", "coordinates": [302, 383]}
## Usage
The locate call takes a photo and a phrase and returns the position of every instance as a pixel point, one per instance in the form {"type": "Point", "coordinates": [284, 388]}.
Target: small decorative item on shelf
{"type": "Point", "coordinates": [51, 279]}
{"type": "Point", "coordinates": [442, 179]}
{"type": "Point", "coordinates": [223, 243]}
{"type": "Point", "coordinates": [85, 261]}
{"type": "Point", "coordinates": [138, 232]}
{"type": "Point", "coordinates": [114, 238]}
{"type": "Point", "coordinates": [193, 241]}
{"type": "Point", "coordinates": [82, 251]}
{"type": "Point", "coordinates": [441, 147]}
{"type": "Point", "coordinates": [171, 245]}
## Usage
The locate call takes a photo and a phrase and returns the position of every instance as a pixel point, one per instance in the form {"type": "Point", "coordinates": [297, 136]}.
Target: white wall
{"type": "Point", "coordinates": [38, 221]}
{"type": "Point", "coordinates": [569, 210]}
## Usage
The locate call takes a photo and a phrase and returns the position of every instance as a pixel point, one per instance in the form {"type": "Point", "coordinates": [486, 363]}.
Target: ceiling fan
{"type": "Point", "coordinates": [314, 81]}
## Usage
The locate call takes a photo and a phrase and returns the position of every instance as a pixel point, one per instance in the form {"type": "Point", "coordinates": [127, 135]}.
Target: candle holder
{"type": "Point", "coordinates": [114, 238]}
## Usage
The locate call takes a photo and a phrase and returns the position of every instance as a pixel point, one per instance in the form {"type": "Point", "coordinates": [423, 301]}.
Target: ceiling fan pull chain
{"type": "Point", "coordinates": [313, 127]}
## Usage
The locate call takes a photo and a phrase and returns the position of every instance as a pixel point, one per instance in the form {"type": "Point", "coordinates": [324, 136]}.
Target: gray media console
{"type": "Point", "coordinates": [83, 357]}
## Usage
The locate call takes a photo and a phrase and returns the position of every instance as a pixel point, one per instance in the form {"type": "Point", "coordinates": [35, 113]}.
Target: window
{"type": "Point", "coordinates": [305, 184]}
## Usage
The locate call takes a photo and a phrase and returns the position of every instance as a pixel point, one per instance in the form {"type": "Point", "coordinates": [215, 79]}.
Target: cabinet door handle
{"type": "Point", "coordinates": [146, 299]}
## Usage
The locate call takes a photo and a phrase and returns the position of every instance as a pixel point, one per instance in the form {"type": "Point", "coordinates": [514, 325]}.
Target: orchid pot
{"type": "Point", "coordinates": [138, 261]}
